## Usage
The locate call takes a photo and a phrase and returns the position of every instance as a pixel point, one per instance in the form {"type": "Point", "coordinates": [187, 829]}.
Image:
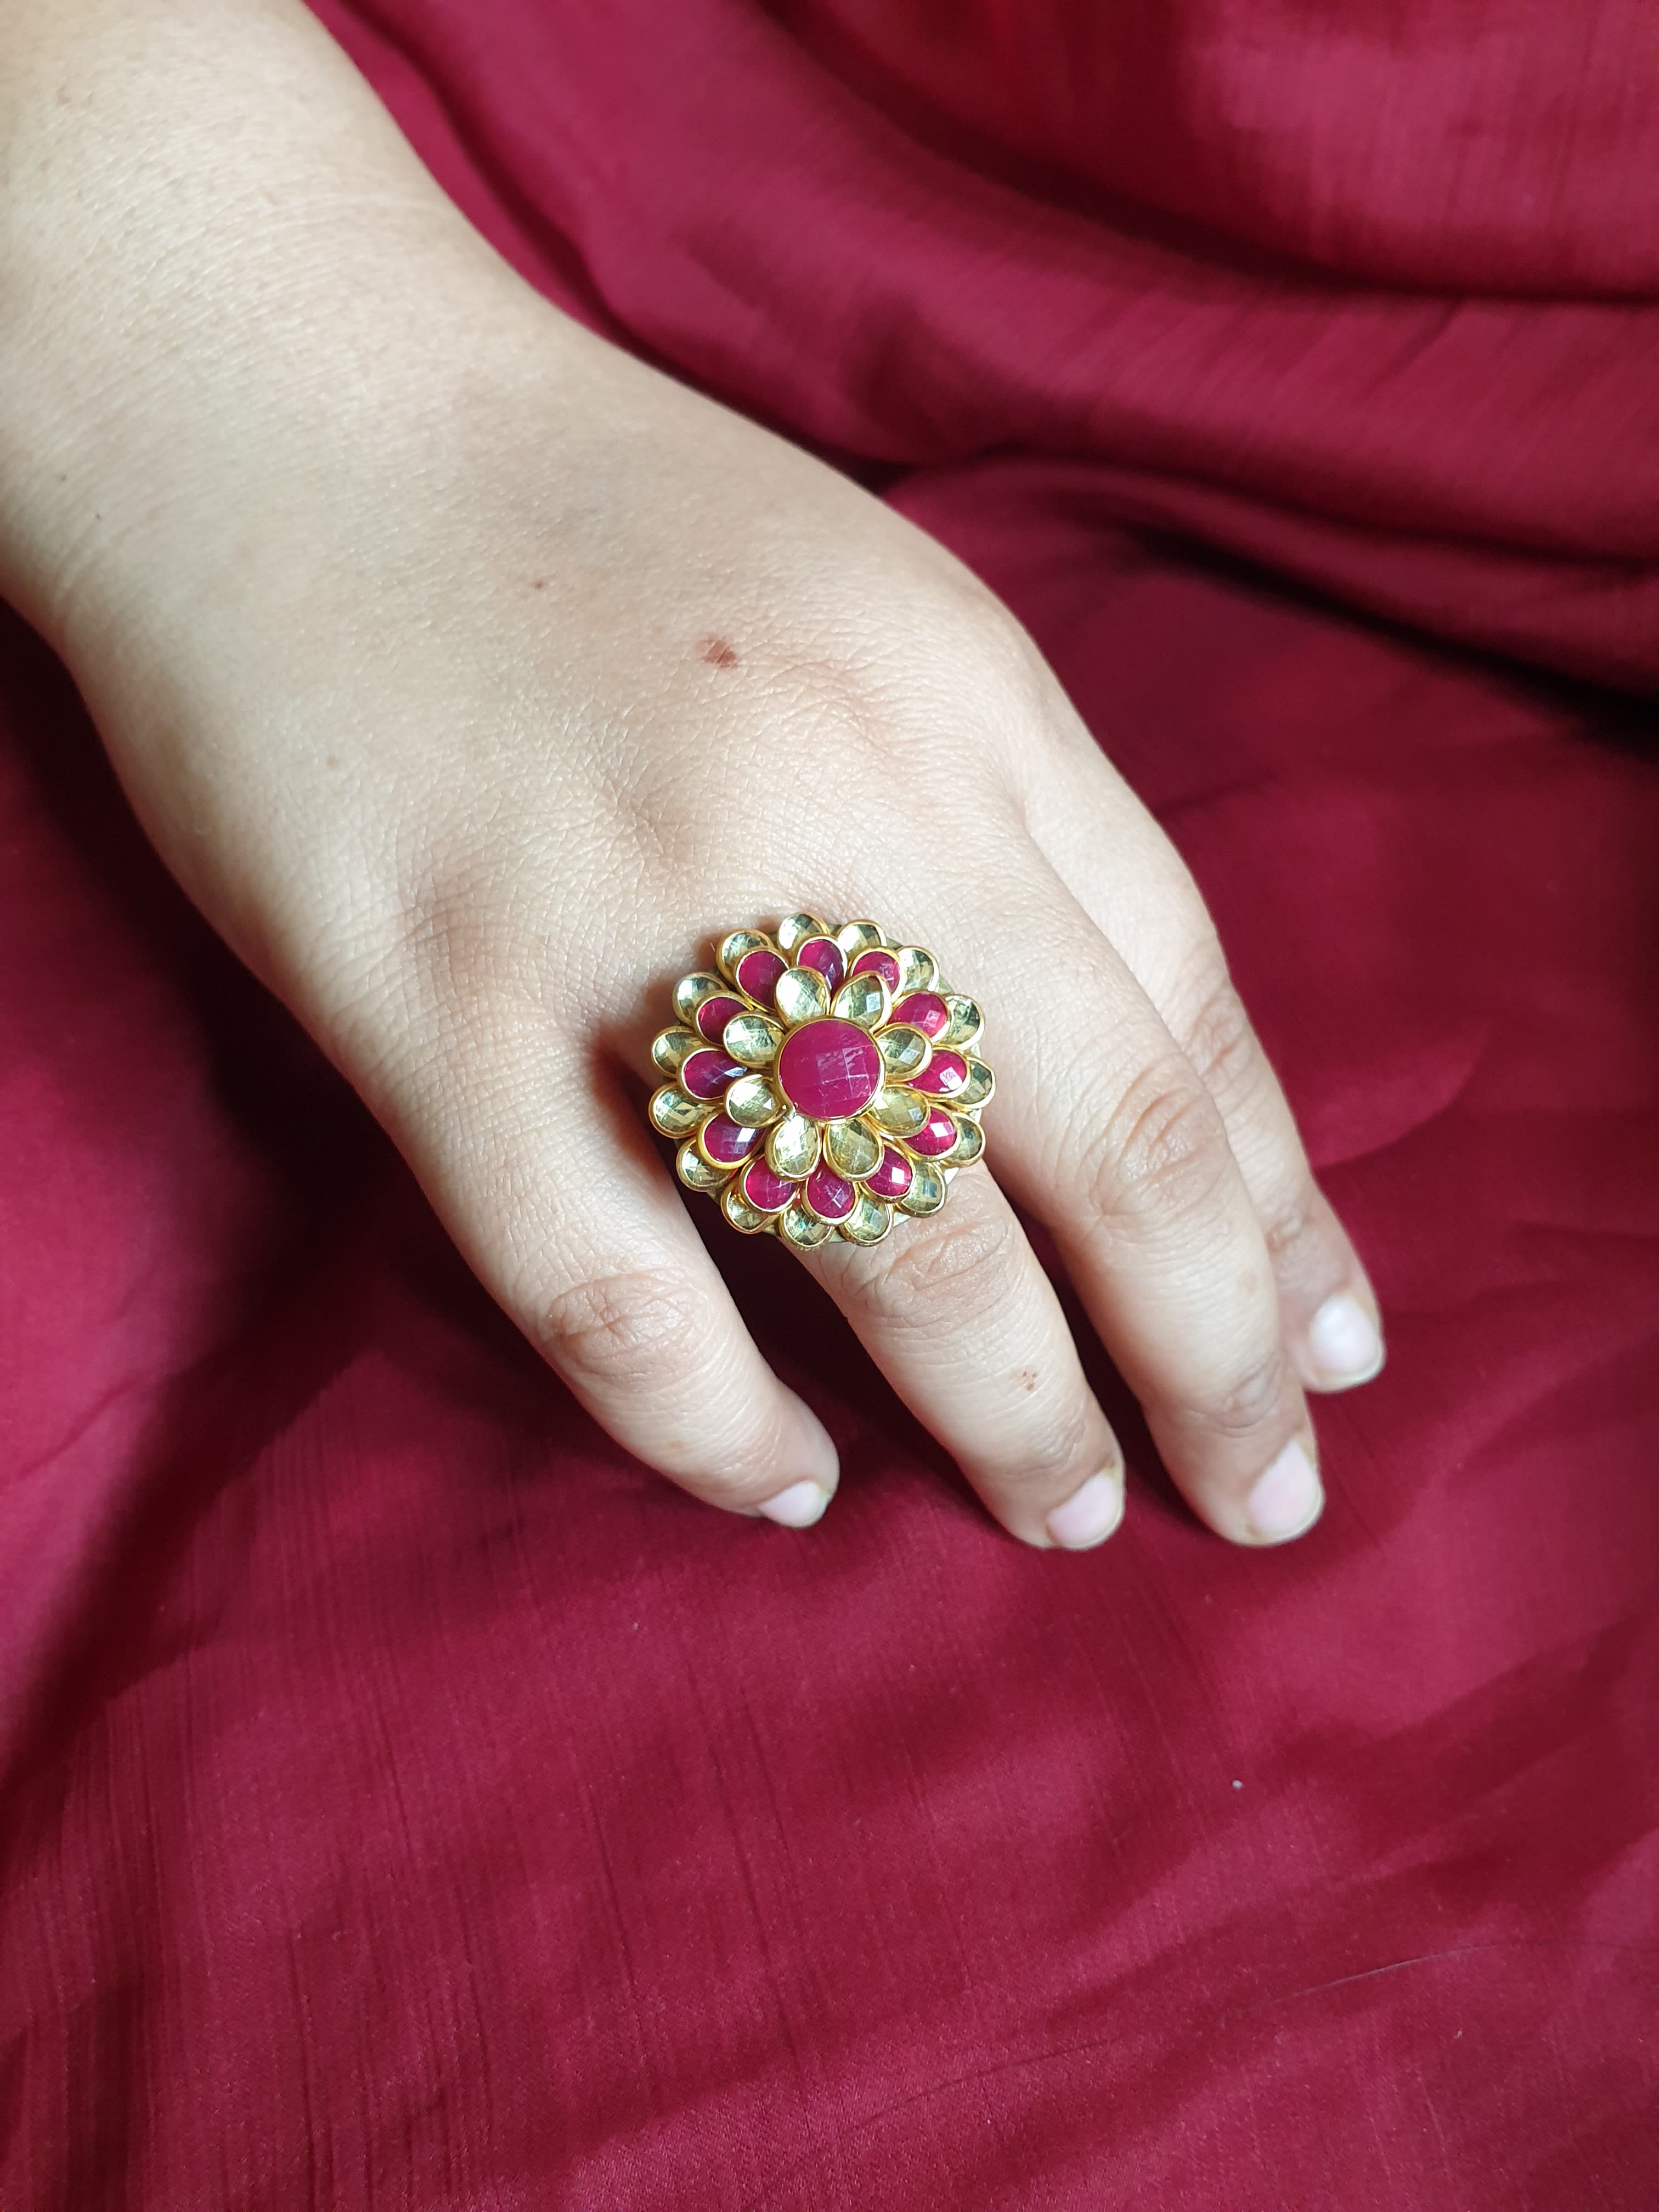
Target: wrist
{"type": "Point", "coordinates": [230, 287]}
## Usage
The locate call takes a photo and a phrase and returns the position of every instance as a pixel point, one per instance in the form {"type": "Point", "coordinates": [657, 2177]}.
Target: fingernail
{"type": "Point", "coordinates": [1344, 1340]}
{"type": "Point", "coordinates": [1286, 1499]}
{"type": "Point", "coordinates": [1089, 1514]}
{"type": "Point", "coordinates": [798, 1506]}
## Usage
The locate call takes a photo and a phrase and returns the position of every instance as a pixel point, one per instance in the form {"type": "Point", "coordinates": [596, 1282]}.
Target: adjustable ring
{"type": "Point", "coordinates": [823, 1081]}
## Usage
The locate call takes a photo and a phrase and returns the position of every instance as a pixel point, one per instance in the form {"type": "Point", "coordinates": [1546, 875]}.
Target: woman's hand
{"type": "Point", "coordinates": [471, 676]}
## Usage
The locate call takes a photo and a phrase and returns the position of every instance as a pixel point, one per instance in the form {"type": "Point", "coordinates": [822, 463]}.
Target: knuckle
{"type": "Point", "coordinates": [1058, 1446]}
{"type": "Point", "coordinates": [1003, 657]}
{"type": "Point", "coordinates": [1219, 1041]}
{"type": "Point", "coordinates": [828, 695]}
{"type": "Point", "coordinates": [1163, 1152]}
{"type": "Point", "coordinates": [1292, 1220]}
{"type": "Point", "coordinates": [957, 1263]}
{"type": "Point", "coordinates": [449, 942]}
{"type": "Point", "coordinates": [636, 1330]}
{"type": "Point", "coordinates": [1250, 1399]}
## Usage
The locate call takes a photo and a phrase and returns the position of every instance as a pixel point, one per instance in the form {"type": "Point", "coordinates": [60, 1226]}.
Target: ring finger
{"type": "Point", "coordinates": [1332, 1324]}
{"type": "Point", "coordinates": [1107, 1131]}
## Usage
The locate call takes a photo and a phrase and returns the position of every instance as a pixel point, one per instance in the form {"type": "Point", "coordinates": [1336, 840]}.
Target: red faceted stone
{"type": "Point", "coordinates": [714, 1014]}
{"type": "Point", "coordinates": [923, 1010]}
{"type": "Point", "coordinates": [831, 1196]}
{"type": "Point", "coordinates": [758, 972]}
{"type": "Point", "coordinates": [943, 1075]}
{"type": "Point", "coordinates": [892, 1178]}
{"type": "Point", "coordinates": [706, 1074]}
{"type": "Point", "coordinates": [876, 962]}
{"type": "Point", "coordinates": [829, 1069]}
{"type": "Point", "coordinates": [825, 955]}
{"type": "Point", "coordinates": [770, 1192]}
{"type": "Point", "coordinates": [727, 1142]}
{"type": "Point", "coordinates": [936, 1134]}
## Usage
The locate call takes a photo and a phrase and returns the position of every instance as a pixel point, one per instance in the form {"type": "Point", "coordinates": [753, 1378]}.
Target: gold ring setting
{"type": "Point", "coordinates": [821, 1083]}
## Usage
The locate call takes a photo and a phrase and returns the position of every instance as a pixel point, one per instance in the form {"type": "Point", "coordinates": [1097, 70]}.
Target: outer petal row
{"type": "Point", "coordinates": [736, 946]}
{"type": "Point", "coordinates": [669, 1048]}
{"type": "Point", "coordinates": [691, 991]}
{"type": "Point", "coordinates": [856, 937]}
{"type": "Point", "coordinates": [966, 1024]}
{"type": "Point", "coordinates": [795, 929]}
{"type": "Point", "coordinates": [673, 1113]}
{"type": "Point", "coordinates": [696, 1172]}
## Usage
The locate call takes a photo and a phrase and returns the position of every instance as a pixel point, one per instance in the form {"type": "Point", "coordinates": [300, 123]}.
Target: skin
{"type": "Point", "coordinates": [392, 592]}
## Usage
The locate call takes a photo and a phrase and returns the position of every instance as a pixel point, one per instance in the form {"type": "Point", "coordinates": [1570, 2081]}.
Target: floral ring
{"type": "Point", "coordinates": [821, 1082]}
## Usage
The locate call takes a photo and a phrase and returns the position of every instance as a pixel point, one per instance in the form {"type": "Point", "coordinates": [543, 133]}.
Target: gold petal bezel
{"type": "Point", "coordinates": [965, 1026]}
{"type": "Point", "coordinates": [864, 1000]}
{"type": "Point", "coordinates": [868, 1223]}
{"type": "Point", "coordinates": [752, 1039]}
{"type": "Point", "coordinates": [928, 1190]}
{"type": "Point", "coordinates": [898, 1040]}
{"type": "Point", "coordinates": [969, 1145]}
{"type": "Point", "coordinates": [738, 1211]}
{"type": "Point", "coordinates": [897, 1111]}
{"type": "Point", "coordinates": [753, 1103]}
{"type": "Point", "coordinates": [673, 1113]}
{"type": "Point", "coordinates": [836, 1134]}
{"type": "Point", "coordinates": [726, 1167]}
{"type": "Point", "coordinates": [736, 945]}
{"type": "Point", "coordinates": [671, 1049]}
{"type": "Point", "coordinates": [695, 1169]}
{"type": "Point", "coordinates": [801, 995]}
{"type": "Point", "coordinates": [918, 969]}
{"type": "Point", "coordinates": [831, 1221]}
{"type": "Point", "coordinates": [802, 1230]}
{"type": "Point", "coordinates": [979, 1087]}
{"type": "Point", "coordinates": [856, 937]}
{"type": "Point", "coordinates": [691, 991]}
{"type": "Point", "coordinates": [792, 1147]}
{"type": "Point", "coordinates": [794, 930]}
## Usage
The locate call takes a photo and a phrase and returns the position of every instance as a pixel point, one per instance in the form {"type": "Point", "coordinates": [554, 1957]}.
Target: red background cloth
{"type": "Point", "coordinates": [410, 1802]}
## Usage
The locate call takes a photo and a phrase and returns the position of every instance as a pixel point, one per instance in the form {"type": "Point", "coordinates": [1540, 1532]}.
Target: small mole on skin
{"type": "Point", "coordinates": [538, 583]}
{"type": "Point", "coordinates": [1027, 1379]}
{"type": "Point", "coordinates": [717, 653]}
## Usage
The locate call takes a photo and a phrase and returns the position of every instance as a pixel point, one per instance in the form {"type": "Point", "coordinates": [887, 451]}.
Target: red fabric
{"type": "Point", "coordinates": [408, 1801]}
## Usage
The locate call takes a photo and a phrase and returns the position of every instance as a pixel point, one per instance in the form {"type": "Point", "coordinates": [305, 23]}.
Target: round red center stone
{"type": "Point", "coordinates": [830, 1070]}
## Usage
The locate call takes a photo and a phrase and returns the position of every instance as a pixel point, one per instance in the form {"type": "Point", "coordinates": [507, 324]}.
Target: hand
{"type": "Point", "coordinates": [471, 705]}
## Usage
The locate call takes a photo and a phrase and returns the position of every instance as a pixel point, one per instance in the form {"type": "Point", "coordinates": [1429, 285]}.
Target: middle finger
{"type": "Point", "coordinates": [959, 1315]}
